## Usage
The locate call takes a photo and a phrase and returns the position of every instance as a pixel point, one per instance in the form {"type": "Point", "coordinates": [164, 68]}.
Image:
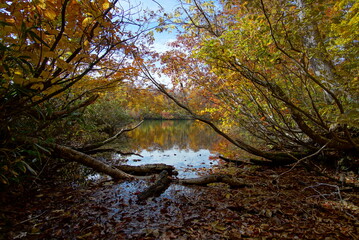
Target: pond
{"type": "Point", "coordinates": [187, 145]}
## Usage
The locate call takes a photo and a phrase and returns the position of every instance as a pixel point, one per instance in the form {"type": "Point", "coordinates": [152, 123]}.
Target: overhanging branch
{"type": "Point", "coordinates": [100, 144]}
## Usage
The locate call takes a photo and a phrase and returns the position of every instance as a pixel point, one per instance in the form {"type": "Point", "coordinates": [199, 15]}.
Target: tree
{"type": "Point", "coordinates": [56, 56]}
{"type": "Point", "coordinates": [284, 71]}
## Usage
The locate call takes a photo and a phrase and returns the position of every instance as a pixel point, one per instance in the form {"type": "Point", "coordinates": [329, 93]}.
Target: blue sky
{"type": "Point", "coordinates": [162, 39]}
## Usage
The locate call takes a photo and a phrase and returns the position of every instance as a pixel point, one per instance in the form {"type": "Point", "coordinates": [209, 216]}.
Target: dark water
{"type": "Point", "coordinates": [187, 145]}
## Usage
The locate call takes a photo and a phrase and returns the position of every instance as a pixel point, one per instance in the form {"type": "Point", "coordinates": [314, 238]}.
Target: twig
{"type": "Point", "coordinates": [302, 159]}
{"type": "Point", "coordinates": [328, 185]}
{"type": "Point", "coordinates": [99, 144]}
{"type": "Point", "coordinates": [320, 172]}
{"type": "Point", "coordinates": [29, 219]}
{"type": "Point", "coordinates": [128, 153]}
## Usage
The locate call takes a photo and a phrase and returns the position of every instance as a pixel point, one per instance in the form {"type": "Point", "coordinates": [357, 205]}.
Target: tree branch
{"type": "Point", "coordinates": [62, 113]}
{"type": "Point", "coordinates": [100, 144]}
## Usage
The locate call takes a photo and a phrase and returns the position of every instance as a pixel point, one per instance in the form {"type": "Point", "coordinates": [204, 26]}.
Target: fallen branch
{"type": "Point", "coordinates": [74, 155]}
{"type": "Point", "coordinates": [236, 161]}
{"type": "Point", "coordinates": [147, 169]}
{"type": "Point", "coordinates": [30, 219]}
{"type": "Point", "coordinates": [203, 181]}
{"type": "Point", "coordinates": [156, 189]}
{"type": "Point", "coordinates": [316, 169]}
{"type": "Point", "coordinates": [128, 153]}
{"type": "Point", "coordinates": [302, 159]}
{"type": "Point", "coordinates": [103, 150]}
{"type": "Point", "coordinates": [277, 163]}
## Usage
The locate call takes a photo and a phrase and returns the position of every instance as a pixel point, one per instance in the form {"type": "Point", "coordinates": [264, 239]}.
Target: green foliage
{"type": "Point", "coordinates": [13, 162]}
{"type": "Point", "coordinates": [106, 115]}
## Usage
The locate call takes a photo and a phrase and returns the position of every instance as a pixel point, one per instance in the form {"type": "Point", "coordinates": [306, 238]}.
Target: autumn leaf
{"type": "Point", "coordinates": [106, 5]}
{"type": "Point", "coordinates": [50, 14]}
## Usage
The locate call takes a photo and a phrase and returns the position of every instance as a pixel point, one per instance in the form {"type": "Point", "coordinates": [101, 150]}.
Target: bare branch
{"type": "Point", "coordinates": [100, 144]}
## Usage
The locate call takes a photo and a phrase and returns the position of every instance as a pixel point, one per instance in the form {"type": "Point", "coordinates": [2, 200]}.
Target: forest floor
{"type": "Point", "coordinates": [297, 205]}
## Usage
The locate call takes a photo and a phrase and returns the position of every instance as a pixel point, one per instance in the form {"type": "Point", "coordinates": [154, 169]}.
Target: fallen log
{"type": "Point", "coordinates": [147, 169]}
{"type": "Point", "coordinates": [278, 163]}
{"type": "Point", "coordinates": [156, 189]}
{"type": "Point", "coordinates": [203, 181]}
{"type": "Point", "coordinates": [73, 155]}
{"type": "Point", "coordinates": [236, 161]}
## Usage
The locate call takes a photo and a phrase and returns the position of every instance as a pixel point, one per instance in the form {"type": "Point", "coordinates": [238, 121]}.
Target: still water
{"type": "Point", "coordinates": [190, 146]}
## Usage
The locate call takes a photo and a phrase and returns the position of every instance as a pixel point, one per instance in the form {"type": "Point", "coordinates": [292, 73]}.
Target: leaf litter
{"type": "Point", "coordinates": [298, 205]}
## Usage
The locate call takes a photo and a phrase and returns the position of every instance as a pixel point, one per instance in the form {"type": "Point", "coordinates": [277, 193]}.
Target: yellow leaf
{"type": "Point", "coordinates": [36, 98]}
{"type": "Point", "coordinates": [86, 21]}
{"type": "Point", "coordinates": [41, 4]}
{"type": "Point", "coordinates": [49, 54]}
{"type": "Point", "coordinates": [105, 5]}
{"type": "Point", "coordinates": [63, 64]}
{"type": "Point", "coordinates": [52, 89]}
{"type": "Point", "coordinates": [3, 179]}
{"type": "Point", "coordinates": [50, 14]}
{"type": "Point", "coordinates": [18, 80]}
{"type": "Point", "coordinates": [38, 86]}
{"type": "Point", "coordinates": [10, 20]}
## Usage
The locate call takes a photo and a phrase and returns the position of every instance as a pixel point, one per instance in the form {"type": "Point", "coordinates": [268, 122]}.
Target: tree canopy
{"type": "Point", "coordinates": [284, 71]}
{"type": "Point", "coordinates": [57, 56]}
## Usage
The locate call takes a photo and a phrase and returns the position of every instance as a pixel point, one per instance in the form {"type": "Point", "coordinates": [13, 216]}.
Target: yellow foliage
{"type": "Point", "coordinates": [87, 21]}
{"type": "Point", "coordinates": [50, 14]}
{"type": "Point", "coordinates": [37, 86]}
{"type": "Point", "coordinates": [105, 5]}
{"type": "Point", "coordinates": [18, 79]}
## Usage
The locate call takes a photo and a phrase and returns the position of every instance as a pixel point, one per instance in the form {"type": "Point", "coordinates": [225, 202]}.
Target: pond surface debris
{"type": "Point", "coordinates": [298, 205]}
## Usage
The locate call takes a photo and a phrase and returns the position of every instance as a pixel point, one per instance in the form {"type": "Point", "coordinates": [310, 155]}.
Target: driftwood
{"type": "Point", "coordinates": [147, 169]}
{"type": "Point", "coordinates": [157, 188]}
{"type": "Point", "coordinates": [231, 181]}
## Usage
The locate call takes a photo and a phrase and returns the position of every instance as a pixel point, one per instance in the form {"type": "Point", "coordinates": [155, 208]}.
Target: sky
{"type": "Point", "coordinates": [163, 38]}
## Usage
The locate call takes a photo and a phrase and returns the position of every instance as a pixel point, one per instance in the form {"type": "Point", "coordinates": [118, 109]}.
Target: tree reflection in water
{"type": "Point", "coordinates": [188, 145]}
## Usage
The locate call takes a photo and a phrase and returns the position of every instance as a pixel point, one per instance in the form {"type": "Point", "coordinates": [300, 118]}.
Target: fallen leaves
{"type": "Point", "coordinates": [285, 210]}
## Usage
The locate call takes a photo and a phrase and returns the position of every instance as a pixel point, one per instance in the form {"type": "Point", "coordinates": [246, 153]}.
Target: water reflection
{"type": "Point", "coordinates": [169, 134]}
{"type": "Point", "coordinates": [187, 145]}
